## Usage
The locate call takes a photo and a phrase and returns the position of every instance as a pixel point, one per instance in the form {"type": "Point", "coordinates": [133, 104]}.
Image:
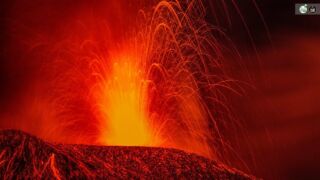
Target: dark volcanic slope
{"type": "Point", "coordinates": [25, 156]}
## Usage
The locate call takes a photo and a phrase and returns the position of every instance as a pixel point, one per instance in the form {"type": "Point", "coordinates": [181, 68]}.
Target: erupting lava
{"type": "Point", "coordinates": [123, 102]}
{"type": "Point", "coordinates": [158, 85]}
{"type": "Point", "coordinates": [149, 91]}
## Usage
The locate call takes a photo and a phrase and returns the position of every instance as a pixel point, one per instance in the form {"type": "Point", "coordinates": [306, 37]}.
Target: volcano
{"type": "Point", "coordinates": [25, 156]}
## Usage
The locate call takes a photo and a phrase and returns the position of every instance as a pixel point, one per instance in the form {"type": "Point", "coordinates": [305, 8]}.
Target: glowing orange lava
{"type": "Point", "coordinates": [123, 102]}
{"type": "Point", "coordinates": [158, 83]}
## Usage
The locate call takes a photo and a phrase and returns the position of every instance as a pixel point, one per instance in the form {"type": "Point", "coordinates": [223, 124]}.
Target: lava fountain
{"type": "Point", "coordinates": [161, 84]}
{"type": "Point", "coordinates": [123, 103]}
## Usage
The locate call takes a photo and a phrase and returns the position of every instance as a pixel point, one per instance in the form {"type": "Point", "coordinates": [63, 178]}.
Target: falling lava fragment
{"type": "Point", "coordinates": [23, 155]}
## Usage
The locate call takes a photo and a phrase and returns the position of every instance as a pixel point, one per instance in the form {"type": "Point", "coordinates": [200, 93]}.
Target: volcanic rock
{"type": "Point", "coordinates": [26, 156]}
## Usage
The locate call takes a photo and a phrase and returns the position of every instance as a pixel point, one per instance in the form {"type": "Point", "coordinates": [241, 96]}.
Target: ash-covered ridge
{"type": "Point", "coordinates": [26, 156]}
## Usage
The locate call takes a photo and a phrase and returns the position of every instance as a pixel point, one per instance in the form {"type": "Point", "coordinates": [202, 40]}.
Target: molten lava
{"type": "Point", "coordinates": [158, 83]}
{"type": "Point", "coordinates": [123, 102]}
